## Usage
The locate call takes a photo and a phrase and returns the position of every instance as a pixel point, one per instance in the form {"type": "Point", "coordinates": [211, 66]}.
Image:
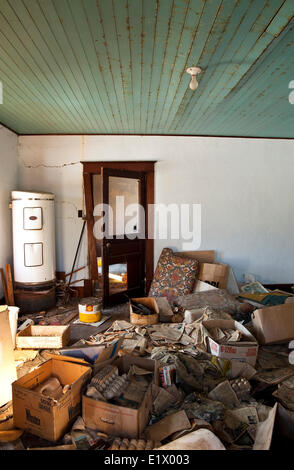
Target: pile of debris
{"type": "Point", "coordinates": [210, 370]}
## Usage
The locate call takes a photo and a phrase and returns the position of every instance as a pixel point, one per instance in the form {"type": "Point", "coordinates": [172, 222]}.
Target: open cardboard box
{"type": "Point", "coordinates": [43, 337]}
{"type": "Point", "coordinates": [274, 324]}
{"type": "Point", "coordinates": [215, 274]}
{"type": "Point", "coordinates": [117, 420]}
{"type": "Point", "coordinates": [91, 356]}
{"type": "Point", "coordinates": [149, 302]}
{"type": "Point", "coordinates": [43, 416]}
{"type": "Point", "coordinates": [245, 351]}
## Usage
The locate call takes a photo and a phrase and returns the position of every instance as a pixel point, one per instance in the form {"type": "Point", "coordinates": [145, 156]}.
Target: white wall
{"type": "Point", "coordinates": [8, 182]}
{"type": "Point", "coordinates": [243, 185]}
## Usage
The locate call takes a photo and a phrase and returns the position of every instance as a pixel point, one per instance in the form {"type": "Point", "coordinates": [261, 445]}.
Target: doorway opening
{"type": "Point", "coordinates": [120, 232]}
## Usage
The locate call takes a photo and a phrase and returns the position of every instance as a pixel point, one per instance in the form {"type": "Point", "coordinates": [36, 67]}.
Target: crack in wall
{"type": "Point", "coordinates": [48, 166]}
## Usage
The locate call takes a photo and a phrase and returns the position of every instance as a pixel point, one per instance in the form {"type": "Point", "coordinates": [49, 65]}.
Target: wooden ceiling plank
{"type": "Point", "coordinates": [36, 22]}
{"type": "Point", "coordinates": [164, 16]}
{"type": "Point", "coordinates": [119, 66]}
{"type": "Point", "coordinates": [135, 10]}
{"type": "Point", "coordinates": [210, 74]}
{"type": "Point", "coordinates": [122, 33]}
{"type": "Point", "coordinates": [79, 60]}
{"type": "Point", "coordinates": [97, 32]}
{"type": "Point", "coordinates": [208, 55]}
{"type": "Point", "coordinates": [80, 15]}
{"type": "Point", "coordinates": [209, 18]}
{"type": "Point", "coordinates": [56, 39]}
{"type": "Point", "coordinates": [223, 69]}
{"type": "Point", "coordinates": [269, 93]}
{"type": "Point", "coordinates": [113, 56]}
{"type": "Point", "coordinates": [149, 13]}
{"type": "Point", "coordinates": [255, 80]}
{"type": "Point", "coordinates": [23, 49]}
{"type": "Point", "coordinates": [252, 45]}
{"type": "Point", "coordinates": [180, 30]}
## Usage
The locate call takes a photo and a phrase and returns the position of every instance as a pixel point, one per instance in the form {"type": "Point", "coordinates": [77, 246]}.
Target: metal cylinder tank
{"type": "Point", "coordinates": [34, 262]}
{"type": "Point", "coordinates": [33, 238]}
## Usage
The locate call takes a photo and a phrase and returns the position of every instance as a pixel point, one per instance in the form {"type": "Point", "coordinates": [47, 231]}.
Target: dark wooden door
{"type": "Point", "coordinates": [124, 235]}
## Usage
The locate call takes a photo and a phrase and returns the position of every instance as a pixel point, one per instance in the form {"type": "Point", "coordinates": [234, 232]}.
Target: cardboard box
{"type": "Point", "coordinates": [203, 256]}
{"type": "Point", "coordinates": [117, 420]}
{"type": "Point", "coordinates": [201, 286]}
{"type": "Point", "coordinates": [245, 351]}
{"type": "Point", "coordinates": [277, 431]}
{"type": "Point", "coordinates": [215, 274]}
{"type": "Point", "coordinates": [274, 324]}
{"type": "Point", "coordinates": [137, 319]}
{"type": "Point", "coordinates": [43, 337]}
{"type": "Point", "coordinates": [43, 416]}
{"type": "Point", "coordinates": [92, 356]}
{"type": "Point", "coordinates": [7, 364]}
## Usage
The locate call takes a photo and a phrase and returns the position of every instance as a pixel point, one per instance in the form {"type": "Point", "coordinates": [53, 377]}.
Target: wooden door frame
{"type": "Point", "coordinates": [108, 257]}
{"type": "Point", "coordinates": [94, 168]}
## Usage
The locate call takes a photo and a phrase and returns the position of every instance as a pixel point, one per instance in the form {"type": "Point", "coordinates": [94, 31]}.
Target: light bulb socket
{"type": "Point", "coordinates": [193, 71]}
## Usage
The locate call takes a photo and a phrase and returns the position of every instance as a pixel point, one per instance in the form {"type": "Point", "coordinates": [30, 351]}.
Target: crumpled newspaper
{"type": "Point", "coordinates": [199, 373]}
{"type": "Point", "coordinates": [201, 407]}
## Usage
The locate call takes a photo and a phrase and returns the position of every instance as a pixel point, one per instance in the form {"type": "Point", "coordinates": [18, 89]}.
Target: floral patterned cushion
{"type": "Point", "coordinates": [174, 275]}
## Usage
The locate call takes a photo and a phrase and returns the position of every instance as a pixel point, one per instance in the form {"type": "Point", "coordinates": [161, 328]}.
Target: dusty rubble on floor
{"type": "Point", "coordinates": [189, 388]}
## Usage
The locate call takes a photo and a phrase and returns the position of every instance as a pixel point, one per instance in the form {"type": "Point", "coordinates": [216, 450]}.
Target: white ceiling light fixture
{"type": "Point", "coordinates": [193, 71]}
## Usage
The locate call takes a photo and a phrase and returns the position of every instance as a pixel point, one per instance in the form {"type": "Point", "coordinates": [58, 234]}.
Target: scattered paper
{"type": "Point", "coordinates": [224, 393]}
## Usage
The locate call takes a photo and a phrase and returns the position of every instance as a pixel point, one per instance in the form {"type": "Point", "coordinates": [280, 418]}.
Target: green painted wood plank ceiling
{"type": "Point", "coordinates": [119, 67]}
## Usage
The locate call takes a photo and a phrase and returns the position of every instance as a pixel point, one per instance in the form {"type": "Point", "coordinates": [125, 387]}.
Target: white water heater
{"type": "Point", "coordinates": [33, 239]}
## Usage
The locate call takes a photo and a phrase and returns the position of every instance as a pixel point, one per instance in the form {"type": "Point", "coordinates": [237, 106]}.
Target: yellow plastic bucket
{"type": "Point", "coordinates": [90, 310]}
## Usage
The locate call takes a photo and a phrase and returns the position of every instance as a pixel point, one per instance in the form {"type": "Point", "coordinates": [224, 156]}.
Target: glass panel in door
{"type": "Point", "coordinates": [124, 201]}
